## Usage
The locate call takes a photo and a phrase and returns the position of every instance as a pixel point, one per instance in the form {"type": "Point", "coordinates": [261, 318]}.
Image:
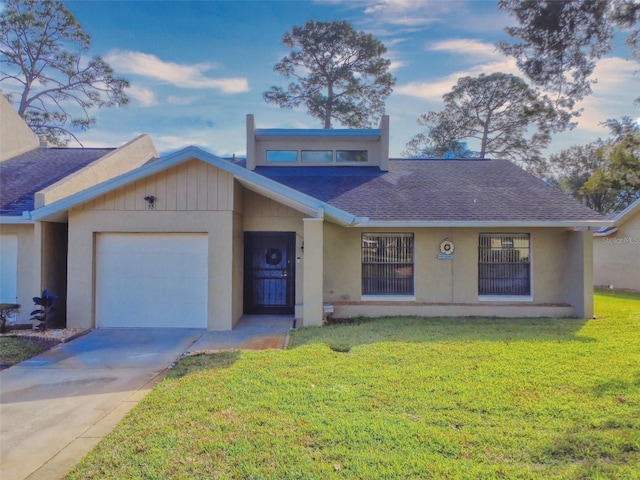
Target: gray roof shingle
{"type": "Point", "coordinates": [435, 190]}
{"type": "Point", "coordinates": [22, 176]}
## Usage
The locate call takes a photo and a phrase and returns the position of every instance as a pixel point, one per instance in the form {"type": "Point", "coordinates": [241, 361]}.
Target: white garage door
{"type": "Point", "coordinates": [8, 268]}
{"type": "Point", "coordinates": [151, 280]}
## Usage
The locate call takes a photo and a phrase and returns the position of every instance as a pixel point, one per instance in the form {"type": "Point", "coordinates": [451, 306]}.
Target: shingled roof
{"type": "Point", "coordinates": [22, 176]}
{"type": "Point", "coordinates": [435, 191]}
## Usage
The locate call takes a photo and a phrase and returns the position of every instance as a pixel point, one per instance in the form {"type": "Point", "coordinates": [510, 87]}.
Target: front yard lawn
{"type": "Point", "coordinates": [16, 349]}
{"type": "Point", "coordinates": [399, 398]}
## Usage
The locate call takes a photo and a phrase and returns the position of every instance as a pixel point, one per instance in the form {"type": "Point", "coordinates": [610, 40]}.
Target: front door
{"type": "Point", "coordinates": [269, 272]}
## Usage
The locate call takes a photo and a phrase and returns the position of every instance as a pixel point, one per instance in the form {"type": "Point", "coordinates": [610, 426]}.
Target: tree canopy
{"type": "Point", "coordinates": [504, 117]}
{"type": "Point", "coordinates": [557, 43]}
{"type": "Point", "coordinates": [337, 74]}
{"type": "Point", "coordinates": [604, 175]}
{"type": "Point", "coordinates": [41, 47]}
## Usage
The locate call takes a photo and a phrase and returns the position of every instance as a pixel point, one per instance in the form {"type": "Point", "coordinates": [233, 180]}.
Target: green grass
{"type": "Point", "coordinates": [399, 398]}
{"type": "Point", "coordinates": [16, 349]}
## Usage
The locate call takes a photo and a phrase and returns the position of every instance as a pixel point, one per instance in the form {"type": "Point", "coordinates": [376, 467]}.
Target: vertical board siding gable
{"type": "Point", "coordinates": [171, 190]}
{"type": "Point", "coordinates": [257, 205]}
{"type": "Point", "coordinates": [181, 187]}
{"type": "Point", "coordinates": [202, 187]}
{"type": "Point", "coordinates": [129, 192]}
{"type": "Point", "coordinates": [190, 186]}
{"type": "Point", "coordinates": [222, 192]}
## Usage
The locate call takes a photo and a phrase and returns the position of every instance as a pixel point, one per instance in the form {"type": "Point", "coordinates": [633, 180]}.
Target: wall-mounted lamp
{"type": "Point", "coordinates": [150, 199]}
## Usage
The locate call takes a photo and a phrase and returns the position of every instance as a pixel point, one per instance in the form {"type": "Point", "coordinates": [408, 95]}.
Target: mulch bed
{"type": "Point", "coordinates": [54, 335]}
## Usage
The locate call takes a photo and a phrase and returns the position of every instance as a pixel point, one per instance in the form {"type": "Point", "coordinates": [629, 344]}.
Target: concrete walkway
{"type": "Point", "coordinates": [54, 408]}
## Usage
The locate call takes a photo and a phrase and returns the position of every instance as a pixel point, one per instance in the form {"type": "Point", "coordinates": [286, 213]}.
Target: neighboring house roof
{"type": "Point", "coordinates": [437, 191]}
{"type": "Point", "coordinates": [24, 175]}
{"type": "Point", "coordinates": [618, 219]}
{"type": "Point", "coordinates": [412, 193]}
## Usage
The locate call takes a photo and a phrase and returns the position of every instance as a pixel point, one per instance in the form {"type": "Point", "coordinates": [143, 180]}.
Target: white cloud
{"type": "Point", "coordinates": [143, 95]}
{"type": "Point", "coordinates": [219, 141]}
{"type": "Point", "coordinates": [407, 13]}
{"type": "Point", "coordinates": [613, 94]}
{"type": "Point", "coordinates": [473, 51]}
{"type": "Point", "coordinates": [382, 5]}
{"type": "Point", "coordinates": [175, 100]}
{"type": "Point", "coordinates": [389, 17]}
{"type": "Point", "coordinates": [612, 97]}
{"type": "Point", "coordinates": [430, 90]}
{"type": "Point", "coordinates": [102, 138]}
{"type": "Point", "coordinates": [614, 72]}
{"type": "Point", "coordinates": [397, 64]}
{"type": "Point", "coordinates": [482, 57]}
{"type": "Point", "coordinates": [180, 75]}
{"type": "Point", "coordinates": [466, 47]}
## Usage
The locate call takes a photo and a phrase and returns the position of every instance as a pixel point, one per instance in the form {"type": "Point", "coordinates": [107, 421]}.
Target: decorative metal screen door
{"type": "Point", "coordinates": [269, 272]}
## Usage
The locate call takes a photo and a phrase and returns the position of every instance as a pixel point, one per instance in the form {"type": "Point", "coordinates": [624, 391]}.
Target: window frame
{"type": "Point", "coordinates": [312, 152]}
{"type": "Point", "coordinates": [296, 160]}
{"type": "Point", "coordinates": [398, 286]}
{"type": "Point", "coordinates": [511, 276]}
{"type": "Point", "coordinates": [356, 152]}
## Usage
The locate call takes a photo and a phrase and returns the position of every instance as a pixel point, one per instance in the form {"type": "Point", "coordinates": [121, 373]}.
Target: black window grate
{"type": "Point", "coordinates": [387, 263]}
{"type": "Point", "coordinates": [504, 266]}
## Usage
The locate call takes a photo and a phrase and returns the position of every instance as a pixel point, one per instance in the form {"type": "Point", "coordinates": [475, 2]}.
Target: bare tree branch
{"type": "Point", "coordinates": [41, 46]}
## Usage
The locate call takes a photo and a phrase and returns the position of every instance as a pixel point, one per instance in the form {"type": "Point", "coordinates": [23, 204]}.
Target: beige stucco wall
{"type": "Point", "coordinates": [54, 264]}
{"type": "Point", "coordinates": [197, 197]}
{"type": "Point", "coordinates": [578, 265]}
{"type": "Point", "coordinates": [314, 272]}
{"type": "Point", "coordinates": [237, 268]}
{"type": "Point", "coordinates": [84, 225]}
{"type": "Point", "coordinates": [16, 137]}
{"type": "Point", "coordinates": [451, 282]}
{"type": "Point", "coordinates": [262, 214]}
{"type": "Point", "coordinates": [377, 147]}
{"type": "Point", "coordinates": [42, 247]}
{"type": "Point", "coordinates": [27, 271]}
{"type": "Point", "coordinates": [616, 257]}
{"type": "Point", "coordinates": [190, 197]}
{"type": "Point", "coordinates": [238, 252]}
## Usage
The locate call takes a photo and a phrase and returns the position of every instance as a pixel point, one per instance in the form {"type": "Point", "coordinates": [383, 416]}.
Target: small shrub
{"type": "Point", "coordinates": [43, 314]}
{"type": "Point", "coordinates": [6, 310]}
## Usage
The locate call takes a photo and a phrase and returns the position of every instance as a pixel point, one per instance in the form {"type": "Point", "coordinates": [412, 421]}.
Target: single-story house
{"type": "Point", "coordinates": [317, 222]}
{"type": "Point", "coordinates": [33, 255]}
{"type": "Point", "coordinates": [616, 251]}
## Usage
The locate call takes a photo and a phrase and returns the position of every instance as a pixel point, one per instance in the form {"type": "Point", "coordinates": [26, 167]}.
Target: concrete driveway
{"type": "Point", "coordinates": [54, 408]}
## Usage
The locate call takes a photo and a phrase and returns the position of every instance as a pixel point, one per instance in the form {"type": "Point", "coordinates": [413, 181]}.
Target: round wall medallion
{"type": "Point", "coordinates": [446, 247]}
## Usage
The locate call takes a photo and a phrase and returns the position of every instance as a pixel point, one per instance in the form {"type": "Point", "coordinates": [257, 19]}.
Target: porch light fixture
{"type": "Point", "coordinates": [150, 199]}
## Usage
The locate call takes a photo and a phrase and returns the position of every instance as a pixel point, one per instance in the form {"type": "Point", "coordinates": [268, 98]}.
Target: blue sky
{"type": "Point", "coordinates": [197, 68]}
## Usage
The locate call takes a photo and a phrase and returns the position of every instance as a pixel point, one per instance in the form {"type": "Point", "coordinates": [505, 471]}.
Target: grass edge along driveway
{"type": "Point", "coordinates": [399, 398]}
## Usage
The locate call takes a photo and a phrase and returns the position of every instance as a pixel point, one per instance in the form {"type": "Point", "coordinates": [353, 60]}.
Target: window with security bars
{"type": "Point", "coordinates": [387, 263]}
{"type": "Point", "coordinates": [504, 266]}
